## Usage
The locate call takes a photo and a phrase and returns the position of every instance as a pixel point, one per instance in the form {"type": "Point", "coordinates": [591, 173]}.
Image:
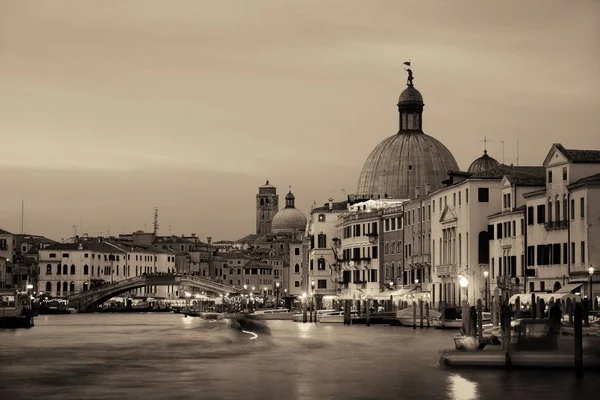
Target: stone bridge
{"type": "Point", "coordinates": [89, 299]}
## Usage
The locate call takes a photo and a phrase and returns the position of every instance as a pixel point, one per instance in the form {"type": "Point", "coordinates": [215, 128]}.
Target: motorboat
{"type": "Point", "coordinates": [452, 319]}
{"type": "Point", "coordinates": [298, 317]}
{"type": "Point", "coordinates": [534, 343]}
{"type": "Point", "coordinates": [406, 317]}
{"type": "Point", "coordinates": [16, 309]}
{"type": "Point", "coordinates": [336, 317]}
{"type": "Point", "coordinates": [212, 316]}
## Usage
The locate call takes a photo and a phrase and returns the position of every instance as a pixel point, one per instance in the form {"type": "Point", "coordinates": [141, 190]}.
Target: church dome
{"type": "Point", "coordinates": [483, 163]}
{"type": "Point", "coordinates": [408, 159]}
{"type": "Point", "coordinates": [290, 218]}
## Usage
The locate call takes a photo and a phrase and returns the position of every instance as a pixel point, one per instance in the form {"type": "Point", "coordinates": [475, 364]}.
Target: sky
{"type": "Point", "coordinates": [111, 108]}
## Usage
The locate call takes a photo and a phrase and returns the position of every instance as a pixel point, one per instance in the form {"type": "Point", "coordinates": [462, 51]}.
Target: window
{"type": "Point", "coordinates": [541, 214]}
{"type": "Point", "coordinates": [499, 229]}
{"type": "Point", "coordinates": [582, 207]}
{"type": "Point", "coordinates": [374, 252]}
{"type": "Point", "coordinates": [514, 228]}
{"type": "Point", "coordinates": [572, 252]}
{"type": "Point", "coordinates": [48, 269]}
{"type": "Point", "coordinates": [483, 195]}
{"type": "Point", "coordinates": [549, 176]}
{"type": "Point", "coordinates": [322, 284]}
{"type": "Point", "coordinates": [582, 252]}
{"type": "Point", "coordinates": [321, 264]}
{"type": "Point", "coordinates": [48, 287]}
{"type": "Point", "coordinates": [565, 255]}
{"type": "Point", "coordinates": [564, 171]}
{"type": "Point", "coordinates": [491, 232]}
{"type": "Point", "coordinates": [373, 275]}
{"type": "Point", "coordinates": [374, 226]}
{"type": "Point", "coordinates": [459, 198]}
{"type": "Point", "coordinates": [85, 269]}
{"type": "Point", "coordinates": [484, 248]}
{"type": "Point", "coordinates": [321, 217]}
{"type": "Point", "coordinates": [467, 196]}
{"type": "Point", "coordinates": [530, 256]}
{"type": "Point", "coordinates": [322, 240]}
{"type": "Point", "coordinates": [65, 269]}
{"type": "Point", "coordinates": [296, 251]}
{"type": "Point", "coordinates": [572, 208]}
{"type": "Point", "coordinates": [529, 215]}
{"type": "Point", "coordinates": [542, 286]}
{"type": "Point", "coordinates": [297, 284]}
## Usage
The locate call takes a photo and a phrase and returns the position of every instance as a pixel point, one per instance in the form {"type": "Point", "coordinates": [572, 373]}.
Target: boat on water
{"type": "Point", "coordinates": [534, 343]}
{"type": "Point", "coordinates": [16, 309]}
{"type": "Point", "coordinates": [272, 314]}
{"type": "Point", "coordinates": [452, 319]}
{"type": "Point", "coordinates": [213, 317]}
{"type": "Point", "coordinates": [336, 317]}
{"type": "Point", "coordinates": [406, 317]}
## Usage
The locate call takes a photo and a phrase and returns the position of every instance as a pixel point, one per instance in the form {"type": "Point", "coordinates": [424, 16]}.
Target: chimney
{"type": "Point", "coordinates": [331, 203]}
{"type": "Point", "coordinates": [417, 192]}
{"type": "Point", "coordinates": [193, 235]}
{"type": "Point", "coordinates": [427, 189]}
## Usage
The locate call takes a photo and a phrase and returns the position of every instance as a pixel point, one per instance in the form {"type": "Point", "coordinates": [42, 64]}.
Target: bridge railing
{"type": "Point", "coordinates": [106, 287]}
{"type": "Point", "coordinates": [210, 283]}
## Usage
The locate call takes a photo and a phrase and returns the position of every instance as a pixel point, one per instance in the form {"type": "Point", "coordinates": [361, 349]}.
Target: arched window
{"type": "Point", "coordinates": [65, 269]}
{"type": "Point", "coordinates": [72, 269]}
{"type": "Point", "coordinates": [65, 287]}
{"type": "Point", "coordinates": [72, 287]}
{"type": "Point", "coordinates": [459, 249]}
{"type": "Point", "coordinates": [86, 269]}
{"type": "Point", "coordinates": [297, 268]}
{"type": "Point", "coordinates": [557, 208]}
{"type": "Point", "coordinates": [57, 287]}
{"type": "Point", "coordinates": [48, 287]}
{"type": "Point", "coordinates": [393, 271]}
{"type": "Point", "coordinates": [484, 248]}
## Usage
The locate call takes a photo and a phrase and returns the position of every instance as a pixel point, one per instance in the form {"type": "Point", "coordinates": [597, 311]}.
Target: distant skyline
{"type": "Point", "coordinates": [112, 108]}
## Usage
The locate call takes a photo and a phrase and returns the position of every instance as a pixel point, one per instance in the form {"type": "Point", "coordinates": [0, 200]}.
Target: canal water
{"type": "Point", "coordinates": [167, 356]}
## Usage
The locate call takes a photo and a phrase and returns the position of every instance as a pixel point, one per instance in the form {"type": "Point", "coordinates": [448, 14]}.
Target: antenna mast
{"type": "Point", "coordinates": [22, 217]}
{"type": "Point", "coordinates": [155, 220]}
{"type": "Point", "coordinates": [502, 141]}
{"type": "Point", "coordinates": [517, 145]}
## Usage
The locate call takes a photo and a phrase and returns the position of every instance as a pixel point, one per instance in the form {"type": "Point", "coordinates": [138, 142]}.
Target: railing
{"type": "Point", "coordinates": [419, 259]}
{"type": "Point", "coordinates": [555, 225]}
{"type": "Point", "coordinates": [446, 270]}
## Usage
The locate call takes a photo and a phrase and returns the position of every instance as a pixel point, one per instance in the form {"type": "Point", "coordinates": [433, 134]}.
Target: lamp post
{"type": "Point", "coordinates": [187, 302]}
{"type": "Point", "coordinates": [277, 294]}
{"type": "Point", "coordinates": [391, 285]}
{"type": "Point", "coordinates": [486, 274]}
{"type": "Point", "coordinates": [312, 300]}
{"type": "Point", "coordinates": [591, 295]}
{"type": "Point", "coordinates": [463, 284]}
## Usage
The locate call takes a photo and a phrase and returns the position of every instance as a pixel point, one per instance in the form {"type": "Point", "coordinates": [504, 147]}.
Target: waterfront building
{"type": "Point", "coordinates": [67, 268]}
{"type": "Point", "coordinates": [408, 159]}
{"type": "Point", "coordinates": [362, 268]}
{"type": "Point", "coordinates": [4, 273]}
{"type": "Point", "coordinates": [562, 223]}
{"type": "Point", "coordinates": [507, 235]}
{"type": "Point", "coordinates": [322, 246]}
{"type": "Point", "coordinates": [416, 267]}
{"type": "Point", "coordinates": [459, 231]}
{"type": "Point", "coordinates": [392, 246]}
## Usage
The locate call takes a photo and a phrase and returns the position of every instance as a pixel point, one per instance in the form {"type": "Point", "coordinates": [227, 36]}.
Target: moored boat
{"type": "Point", "coordinates": [16, 309]}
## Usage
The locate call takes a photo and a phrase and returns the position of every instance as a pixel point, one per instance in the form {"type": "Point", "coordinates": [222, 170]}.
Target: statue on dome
{"type": "Point", "coordinates": [410, 77]}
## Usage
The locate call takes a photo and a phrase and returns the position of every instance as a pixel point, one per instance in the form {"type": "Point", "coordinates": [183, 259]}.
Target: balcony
{"type": "Point", "coordinates": [421, 260]}
{"type": "Point", "coordinates": [556, 225]}
{"type": "Point", "coordinates": [446, 270]}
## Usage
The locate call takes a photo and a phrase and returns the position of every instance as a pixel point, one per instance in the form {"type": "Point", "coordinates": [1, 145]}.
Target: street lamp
{"type": "Point", "coordinates": [486, 274]}
{"type": "Point", "coordinates": [463, 282]}
{"type": "Point", "coordinates": [591, 295]}
{"type": "Point", "coordinates": [391, 285]}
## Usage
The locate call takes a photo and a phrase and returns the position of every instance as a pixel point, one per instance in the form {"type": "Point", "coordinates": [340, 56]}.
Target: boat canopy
{"type": "Point", "coordinates": [526, 298]}
{"type": "Point", "coordinates": [569, 287]}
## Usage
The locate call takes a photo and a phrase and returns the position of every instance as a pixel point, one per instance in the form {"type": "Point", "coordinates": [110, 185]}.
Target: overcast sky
{"type": "Point", "coordinates": [110, 108]}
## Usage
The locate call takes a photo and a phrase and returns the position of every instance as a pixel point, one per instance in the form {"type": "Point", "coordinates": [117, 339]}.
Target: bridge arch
{"type": "Point", "coordinates": [88, 299]}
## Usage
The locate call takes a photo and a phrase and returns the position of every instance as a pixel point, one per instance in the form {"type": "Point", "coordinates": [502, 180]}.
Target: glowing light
{"type": "Point", "coordinates": [591, 270]}
{"type": "Point", "coordinates": [463, 282]}
{"type": "Point", "coordinates": [188, 294]}
{"type": "Point", "coordinates": [251, 333]}
{"type": "Point", "coordinates": [486, 274]}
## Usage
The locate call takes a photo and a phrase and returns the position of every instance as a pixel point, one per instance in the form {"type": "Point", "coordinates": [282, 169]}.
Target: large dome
{"type": "Point", "coordinates": [289, 219]}
{"type": "Point", "coordinates": [409, 158]}
{"type": "Point", "coordinates": [483, 163]}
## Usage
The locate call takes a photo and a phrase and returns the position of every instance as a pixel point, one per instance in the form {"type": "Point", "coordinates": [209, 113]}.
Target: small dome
{"type": "Point", "coordinates": [287, 220]}
{"type": "Point", "coordinates": [483, 163]}
{"type": "Point", "coordinates": [290, 196]}
{"type": "Point", "coordinates": [410, 95]}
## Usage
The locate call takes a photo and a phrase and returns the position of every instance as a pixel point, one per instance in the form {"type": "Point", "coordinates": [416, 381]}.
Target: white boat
{"type": "Point", "coordinates": [336, 317]}
{"type": "Point", "coordinates": [406, 317]}
{"type": "Point", "coordinates": [271, 311]}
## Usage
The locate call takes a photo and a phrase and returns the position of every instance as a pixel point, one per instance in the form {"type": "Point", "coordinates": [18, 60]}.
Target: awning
{"type": "Point", "coordinates": [394, 293]}
{"type": "Point", "coordinates": [569, 287]}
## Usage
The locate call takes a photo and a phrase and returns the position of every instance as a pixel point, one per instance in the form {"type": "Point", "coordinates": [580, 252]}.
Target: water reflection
{"type": "Point", "coordinates": [461, 388]}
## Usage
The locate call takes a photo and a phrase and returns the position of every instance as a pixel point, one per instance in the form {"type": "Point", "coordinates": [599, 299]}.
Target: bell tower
{"type": "Point", "coordinates": [267, 205]}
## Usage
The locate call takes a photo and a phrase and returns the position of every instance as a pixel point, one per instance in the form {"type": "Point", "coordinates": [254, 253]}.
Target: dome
{"type": "Point", "coordinates": [408, 159]}
{"type": "Point", "coordinates": [290, 218]}
{"type": "Point", "coordinates": [410, 95]}
{"type": "Point", "coordinates": [404, 161]}
{"type": "Point", "coordinates": [483, 163]}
